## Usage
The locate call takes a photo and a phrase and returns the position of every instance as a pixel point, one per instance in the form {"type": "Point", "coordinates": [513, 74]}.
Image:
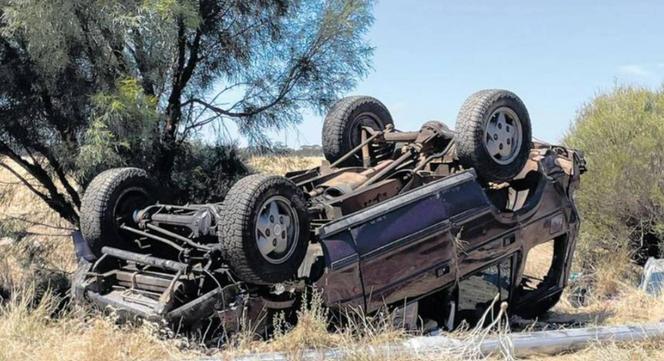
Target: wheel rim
{"type": "Point", "coordinates": [130, 200]}
{"type": "Point", "coordinates": [277, 229]}
{"type": "Point", "coordinates": [503, 136]}
{"type": "Point", "coordinates": [366, 120]}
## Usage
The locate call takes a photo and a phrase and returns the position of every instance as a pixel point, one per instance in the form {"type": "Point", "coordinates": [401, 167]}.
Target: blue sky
{"type": "Point", "coordinates": [430, 55]}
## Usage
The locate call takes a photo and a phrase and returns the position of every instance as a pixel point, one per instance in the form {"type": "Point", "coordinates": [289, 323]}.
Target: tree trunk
{"type": "Point", "coordinates": [168, 147]}
{"type": "Point", "coordinates": [183, 69]}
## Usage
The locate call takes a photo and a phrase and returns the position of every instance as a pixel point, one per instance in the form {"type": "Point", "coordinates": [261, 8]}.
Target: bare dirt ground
{"type": "Point", "coordinates": [45, 331]}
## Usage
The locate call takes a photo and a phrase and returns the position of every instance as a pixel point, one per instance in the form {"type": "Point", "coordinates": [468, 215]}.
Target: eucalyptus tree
{"type": "Point", "coordinates": [91, 84]}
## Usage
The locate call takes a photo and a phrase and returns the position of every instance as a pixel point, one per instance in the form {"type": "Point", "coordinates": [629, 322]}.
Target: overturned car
{"type": "Point", "coordinates": [433, 222]}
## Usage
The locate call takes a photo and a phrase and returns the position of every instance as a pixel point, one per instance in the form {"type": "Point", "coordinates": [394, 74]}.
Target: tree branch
{"type": "Point", "coordinates": [35, 223]}
{"type": "Point", "coordinates": [24, 181]}
{"type": "Point", "coordinates": [188, 70]}
{"type": "Point", "coordinates": [288, 85]}
{"type": "Point", "coordinates": [59, 171]}
{"type": "Point", "coordinates": [56, 120]}
{"type": "Point", "coordinates": [140, 58]}
{"type": "Point", "coordinates": [54, 199]}
{"type": "Point", "coordinates": [173, 111]}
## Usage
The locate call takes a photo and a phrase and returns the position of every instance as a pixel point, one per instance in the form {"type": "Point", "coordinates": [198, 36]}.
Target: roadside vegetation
{"type": "Point", "coordinates": [156, 83]}
{"type": "Point", "coordinates": [622, 200]}
{"type": "Point", "coordinates": [35, 321]}
{"type": "Point", "coordinates": [621, 132]}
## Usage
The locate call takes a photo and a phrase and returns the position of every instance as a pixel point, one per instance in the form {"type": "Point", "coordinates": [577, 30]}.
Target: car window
{"type": "Point", "coordinates": [477, 291]}
{"type": "Point", "coordinates": [505, 282]}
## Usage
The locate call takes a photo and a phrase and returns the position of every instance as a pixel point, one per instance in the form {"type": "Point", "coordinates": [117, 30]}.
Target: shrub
{"type": "Point", "coordinates": [622, 195]}
{"type": "Point", "coordinates": [204, 173]}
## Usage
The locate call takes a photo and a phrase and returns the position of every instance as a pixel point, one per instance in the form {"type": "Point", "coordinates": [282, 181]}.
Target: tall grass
{"type": "Point", "coordinates": [374, 337]}
{"type": "Point", "coordinates": [33, 325]}
{"type": "Point", "coordinates": [41, 332]}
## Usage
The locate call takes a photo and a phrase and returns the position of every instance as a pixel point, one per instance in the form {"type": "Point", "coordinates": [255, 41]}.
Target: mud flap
{"type": "Point", "coordinates": [82, 248]}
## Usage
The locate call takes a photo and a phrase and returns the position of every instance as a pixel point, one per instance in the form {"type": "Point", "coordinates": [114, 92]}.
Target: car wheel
{"type": "Point", "coordinates": [264, 229]}
{"type": "Point", "coordinates": [342, 129]}
{"type": "Point", "coordinates": [493, 135]}
{"type": "Point", "coordinates": [110, 201]}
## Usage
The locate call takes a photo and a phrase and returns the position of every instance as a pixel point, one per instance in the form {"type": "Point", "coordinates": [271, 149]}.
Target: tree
{"type": "Point", "coordinates": [622, 195]}
{"type": "Point", "coordinates": [91, 84]}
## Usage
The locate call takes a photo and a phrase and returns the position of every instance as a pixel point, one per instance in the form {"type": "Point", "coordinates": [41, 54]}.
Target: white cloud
{"type": "Point", "coordinates": [634, 70]}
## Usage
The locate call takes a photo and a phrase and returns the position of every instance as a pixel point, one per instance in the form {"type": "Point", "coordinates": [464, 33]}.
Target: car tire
{"type": "Point", "coordinates": [109, 201]}
{"type": "Point", "coordinates": [264, 229]}
{"type": "Point", "coordinates": [493, 135]}
{"type": "Point", "coordinates": [343, 124]}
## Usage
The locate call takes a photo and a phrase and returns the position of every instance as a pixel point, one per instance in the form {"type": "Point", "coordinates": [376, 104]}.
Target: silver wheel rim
{"type": "Point", "coordinates": [277, 229]}
{"type": "Point", "coordinates": [502, 136]}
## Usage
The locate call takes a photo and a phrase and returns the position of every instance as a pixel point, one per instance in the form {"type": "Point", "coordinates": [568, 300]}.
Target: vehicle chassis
{"type": "Point", "coordinates": [391, 232]}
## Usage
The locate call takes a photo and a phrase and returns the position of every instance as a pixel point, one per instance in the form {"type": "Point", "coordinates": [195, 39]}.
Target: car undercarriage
{"type": "Point", "coordinates": [404, 220]}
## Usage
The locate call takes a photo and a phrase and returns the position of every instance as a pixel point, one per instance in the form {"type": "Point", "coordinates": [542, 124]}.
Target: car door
{"type": "Point", "coordinates": [405, 245]}
{"type": "Point", "coordinates": [484, 288]}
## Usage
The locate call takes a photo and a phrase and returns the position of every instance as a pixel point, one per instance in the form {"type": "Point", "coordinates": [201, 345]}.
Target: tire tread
{"type": "Point", "coordinates": [96, 200]}
{"type": "Point", "coordinates": [334, 125]}
{"type": "Point", "coordinates": [470, 131]}
{"type": "Point", "coordinates": [236, 223]}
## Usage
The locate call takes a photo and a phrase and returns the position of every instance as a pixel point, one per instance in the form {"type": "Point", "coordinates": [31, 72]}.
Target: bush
{"type": "Point", "coordinates": [622, 195]}
{"type": "Point", "coordinates": [204, 173]}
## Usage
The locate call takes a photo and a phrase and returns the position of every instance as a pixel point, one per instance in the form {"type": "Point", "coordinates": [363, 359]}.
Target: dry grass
{"type": "Point", "coordinates": [372, 338]}
{"type": "Point", "coordinates": [282, 164]}
{"type": "Point", "coordinates": [41, 333]}
{"type": "Point", "coordinates": [311, 332]}
{"type": "Point", "coordinates": [539, 260]}
{"type": "Point", "coordinates": [35, 333]}
{"type": "Point", "coordinates": [614, 297]}
{"type": "Point", "coordinates": [45, 243]}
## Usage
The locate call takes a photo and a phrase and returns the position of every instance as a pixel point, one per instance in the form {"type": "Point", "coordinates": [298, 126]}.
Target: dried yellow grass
{"type": "Point", "coordinates": [613, 297]}
{"type": "Point", "coordinates": [365, 337]}
{"type": "Point", "coordinates": [28, 333]}
{"type": "Point", "coordinates": [47, 243]}
{"type": "Point", "coordinates": [282, 164]}
{"type": "Point", "coordinates": [312, 332]}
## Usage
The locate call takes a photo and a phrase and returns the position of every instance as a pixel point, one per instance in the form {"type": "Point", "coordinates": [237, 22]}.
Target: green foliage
{"type": "Point", "coordinates": [173, 10]}
{"type": "Point", "coordinates": [48, 44]}
{"type": "Point", "coordinates": [101, 149]}
{"type": "Point", "coordinates": [122, 132]}
{"type": "Point", "coordinates": [205, 173]}
{"type": "Point", "coordinates": [93, 84]}
{"type": "Point", "coordinates": [622, 194]}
